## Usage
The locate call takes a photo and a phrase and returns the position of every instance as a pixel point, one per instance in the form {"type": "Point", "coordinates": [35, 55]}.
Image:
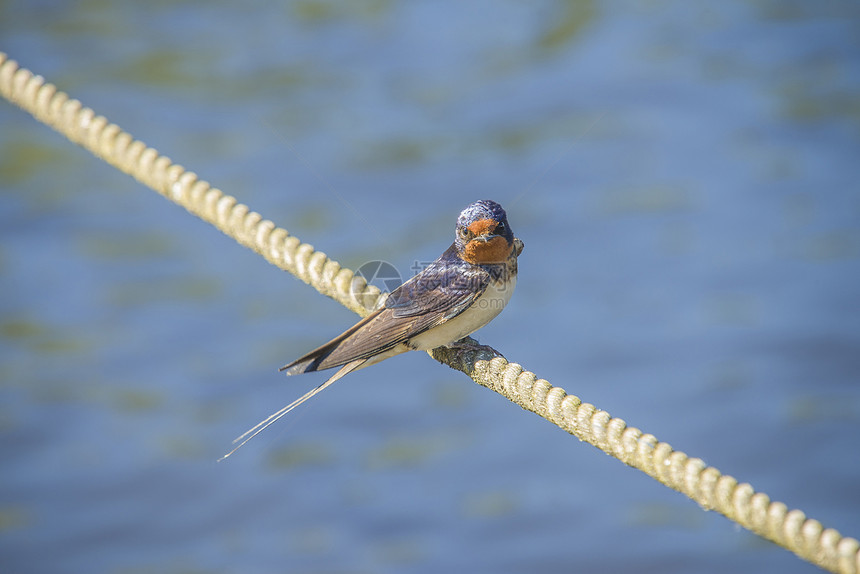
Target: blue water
{"type": "Point", "coordinates": [684, 179]}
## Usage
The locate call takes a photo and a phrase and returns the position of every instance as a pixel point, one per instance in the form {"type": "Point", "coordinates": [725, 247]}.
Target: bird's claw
{"type": "Point", "coordinates": [470, 345]}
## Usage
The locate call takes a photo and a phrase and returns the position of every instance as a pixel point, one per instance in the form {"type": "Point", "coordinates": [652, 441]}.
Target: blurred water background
{"type": "Point", "coordinates": [684, 177]}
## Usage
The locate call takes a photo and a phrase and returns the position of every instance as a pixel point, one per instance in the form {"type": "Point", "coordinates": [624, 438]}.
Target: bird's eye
{"type": "Point", "coordinates": [500, 228]}
{"type": "Point", "coordinates": [464, 232]}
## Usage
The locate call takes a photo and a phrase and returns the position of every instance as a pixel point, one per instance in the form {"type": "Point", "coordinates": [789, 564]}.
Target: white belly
{"type": "Point", "coordinates": [482, 311]}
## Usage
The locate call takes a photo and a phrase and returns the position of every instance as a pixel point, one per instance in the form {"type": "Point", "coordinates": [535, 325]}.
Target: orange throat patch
{"type": "Point", "coordinates": [482, 226]}
{"type": "Point", "coordinates": [496, 250]}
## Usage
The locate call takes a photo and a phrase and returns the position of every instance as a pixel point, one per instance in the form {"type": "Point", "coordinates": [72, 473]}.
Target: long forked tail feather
{"type": "Point", "coordinates": [265, 423]}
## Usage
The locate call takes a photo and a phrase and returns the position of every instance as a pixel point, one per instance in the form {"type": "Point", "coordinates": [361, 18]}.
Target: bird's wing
{"type": "Point", "coordinates": [442, 291]}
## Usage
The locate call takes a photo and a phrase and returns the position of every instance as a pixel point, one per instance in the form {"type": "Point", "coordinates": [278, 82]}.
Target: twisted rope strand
{"type": "Point", "coordinates": [711, 489]}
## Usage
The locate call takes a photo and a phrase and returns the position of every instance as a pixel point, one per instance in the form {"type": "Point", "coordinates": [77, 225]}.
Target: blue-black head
{"type": "Point", "coordinates": [483, 234]}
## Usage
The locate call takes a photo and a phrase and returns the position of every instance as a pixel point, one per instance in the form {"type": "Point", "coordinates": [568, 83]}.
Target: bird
{"type": "Point", "coordinates": [457, 294]}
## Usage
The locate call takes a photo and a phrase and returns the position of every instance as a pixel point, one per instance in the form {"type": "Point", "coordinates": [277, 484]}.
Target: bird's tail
{"type": "Point", "coordinates": [332, 354]}
{"type": "Point", "coordinates": [310, 362]}
{"type": "Point", "coordinates": [264, 424]}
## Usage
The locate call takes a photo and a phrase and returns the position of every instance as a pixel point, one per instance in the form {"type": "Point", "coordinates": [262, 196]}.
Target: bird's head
{"type": "Point", "coordinates": [483, 234]}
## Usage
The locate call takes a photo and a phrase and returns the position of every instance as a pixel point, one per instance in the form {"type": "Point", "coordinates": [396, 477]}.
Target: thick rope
{"type": "Point", "coordinates": [712, 490]}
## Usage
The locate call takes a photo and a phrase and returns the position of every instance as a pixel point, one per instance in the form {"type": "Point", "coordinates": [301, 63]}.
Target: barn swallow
{"type": "Point", "coordinates": [460, 292]}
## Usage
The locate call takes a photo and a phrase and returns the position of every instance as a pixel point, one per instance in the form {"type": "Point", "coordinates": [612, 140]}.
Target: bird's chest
{"type": "Point", "coordinates": [482, 311]}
